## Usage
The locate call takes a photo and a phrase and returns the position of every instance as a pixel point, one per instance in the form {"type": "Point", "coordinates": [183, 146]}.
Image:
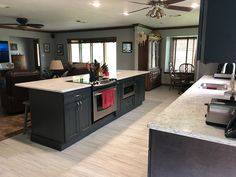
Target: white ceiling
{"type": "Point", "coordinates": [62, 14]}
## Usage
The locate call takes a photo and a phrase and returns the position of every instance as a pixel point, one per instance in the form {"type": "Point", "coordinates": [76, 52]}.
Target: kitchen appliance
{"type": "Point", "coordinates": [128, 89]}
{"type": "Point", "coordinates": [98, 111]}
{"type": "Point", "coordinates": [226, 71]}
{"type": "Point", "coordinates": [220, 112]}
{"type": "Point", "coordinates": [98, 87]}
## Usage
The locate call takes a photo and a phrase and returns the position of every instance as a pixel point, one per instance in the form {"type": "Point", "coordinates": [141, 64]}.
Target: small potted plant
{"type": "Point", "coordinates": [105, 70]}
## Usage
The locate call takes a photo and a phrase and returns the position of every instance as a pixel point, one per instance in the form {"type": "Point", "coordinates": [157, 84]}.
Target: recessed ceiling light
{"type": "Point", "coordinates": [4, 6]}
{"type": "Point", "coordinates": [195, 5]}
{"type": "Point", "coordinates": [125, 13]}
{"type": "Point", "coordinates": [96, 4]}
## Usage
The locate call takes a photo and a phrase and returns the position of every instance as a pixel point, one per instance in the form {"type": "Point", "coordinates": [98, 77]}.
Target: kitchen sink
{"type": "Point", "coordinates": [214, 86]}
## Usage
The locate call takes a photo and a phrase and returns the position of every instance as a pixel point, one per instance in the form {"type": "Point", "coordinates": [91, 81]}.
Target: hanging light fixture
{"type": "Point", "coordinates": [156, 12]}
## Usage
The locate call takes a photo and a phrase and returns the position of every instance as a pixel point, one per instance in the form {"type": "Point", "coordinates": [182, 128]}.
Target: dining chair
{"type": "Point", "coordinates": [187, 75]}
{"type": "Point", "coordinates": [186, 68]}
{"type": "Point", "coordinates": [175, 80]}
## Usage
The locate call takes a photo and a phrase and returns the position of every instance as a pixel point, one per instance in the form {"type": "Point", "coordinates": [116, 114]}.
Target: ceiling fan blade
{"type": "Point", "coordinates": [33, 25]}
{"type": "Point", "coordinates": [138, 10]}
{"type": "Point", "coordinates": [173, 1]}
{"type": "Point", "coordinates": [180, 8]}
{"type": "Point", "coordinates": [138, 3]}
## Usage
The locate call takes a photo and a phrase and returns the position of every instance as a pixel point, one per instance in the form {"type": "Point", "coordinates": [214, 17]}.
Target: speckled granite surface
{"type": "Point", "coordinates": [60, 84]}
{"type": "Point", "coordinates": [186, 115]}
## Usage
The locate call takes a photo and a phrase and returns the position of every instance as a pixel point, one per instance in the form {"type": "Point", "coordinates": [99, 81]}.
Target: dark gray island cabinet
{"type": "Point", "coordinates": [60, 119]}
{"type": "Point", "coordinates": [62, 112]}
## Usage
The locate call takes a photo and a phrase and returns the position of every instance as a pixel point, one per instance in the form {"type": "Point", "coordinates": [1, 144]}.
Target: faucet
{"type": "Point", "coordinates": [232, 82]}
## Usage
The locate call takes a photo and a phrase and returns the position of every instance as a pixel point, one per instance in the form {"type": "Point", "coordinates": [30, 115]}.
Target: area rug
{"type": "Point", "coordinates": [11, 126]}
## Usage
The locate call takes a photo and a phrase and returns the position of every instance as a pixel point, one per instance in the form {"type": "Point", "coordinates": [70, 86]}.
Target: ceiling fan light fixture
{"type": "Point", "coordinates": [158, 15]}
{"type": "Point", "coordinates": [154, 12]}
{"type": "Point", "coordinates": [149, 13]}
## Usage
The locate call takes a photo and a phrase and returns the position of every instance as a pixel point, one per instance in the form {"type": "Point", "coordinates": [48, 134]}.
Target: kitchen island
{"type": "Point", "coordinates": [62, 111]}
{"type": "Point", "coordinates": [181, 144]}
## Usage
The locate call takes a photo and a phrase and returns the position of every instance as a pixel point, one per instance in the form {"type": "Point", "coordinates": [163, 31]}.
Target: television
{"type": "Point", "coordinates": [4, 52]}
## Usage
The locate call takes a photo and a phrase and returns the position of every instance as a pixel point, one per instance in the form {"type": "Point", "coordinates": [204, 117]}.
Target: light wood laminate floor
{"type": "Point", "coordinates": [117, 150]}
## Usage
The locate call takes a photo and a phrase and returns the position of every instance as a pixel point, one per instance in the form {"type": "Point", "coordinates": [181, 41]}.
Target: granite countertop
{"type": "Point", "coordinates": [61, 85]}
{"type": "Point", "coordinates": [123, 74]}
{"type": "Point", "coordinates": [186, 115]}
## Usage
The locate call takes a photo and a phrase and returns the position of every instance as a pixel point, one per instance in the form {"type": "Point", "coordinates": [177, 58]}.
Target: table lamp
{"type": "Point", "coordinates": [56, 66]}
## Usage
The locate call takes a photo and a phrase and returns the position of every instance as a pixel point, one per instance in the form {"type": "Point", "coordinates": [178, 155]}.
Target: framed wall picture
{"type": "Point", "coordinates": [46, 47]}
{"type": "Point", "coordinates": [127, 47]}
{"type": "Point", "coordinates": [13, 46]}
{"type": "Point", "coordinates": [60, 49]}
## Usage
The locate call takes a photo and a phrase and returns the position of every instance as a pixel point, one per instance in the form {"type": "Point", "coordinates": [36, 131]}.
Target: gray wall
{"type": "Point", "coordinates": [124, 60]}
{"type": "Point", "coordinates": [165, 34]}
{"type": "Point", "coordinates": [24, 47]}
{"type": "Point", "coordinates": [6, 34]}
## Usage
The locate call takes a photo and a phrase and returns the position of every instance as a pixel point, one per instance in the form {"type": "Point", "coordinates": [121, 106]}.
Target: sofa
{"type": "Point", "coordinates": [76, 69]}
{"type": "Point", "coordinates": [12, 97]}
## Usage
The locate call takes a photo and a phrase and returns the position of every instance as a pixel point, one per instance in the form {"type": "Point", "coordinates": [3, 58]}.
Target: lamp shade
{"type": "Point", "coordinates": [56, 65]}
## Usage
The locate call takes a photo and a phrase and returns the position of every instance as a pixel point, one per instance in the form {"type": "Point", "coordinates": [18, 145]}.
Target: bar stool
{"type": "Point", "coordinates": [27, 111]}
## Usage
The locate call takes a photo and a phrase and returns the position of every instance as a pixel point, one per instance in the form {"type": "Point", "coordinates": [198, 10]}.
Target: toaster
{"type": "Point", "coordinates": [220, 112]}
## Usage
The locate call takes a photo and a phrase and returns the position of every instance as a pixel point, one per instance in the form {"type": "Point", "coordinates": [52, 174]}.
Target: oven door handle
{"type": "Point", "coordinates": [100, 93]}
{"type": "Point", "coordinates": [97, 94]}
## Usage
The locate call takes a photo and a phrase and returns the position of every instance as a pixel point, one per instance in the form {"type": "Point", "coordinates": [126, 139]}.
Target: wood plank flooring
{"type": "Point", "coordinates": [11, 125]}
{"type": "Point", "coordinates": [117, 150]}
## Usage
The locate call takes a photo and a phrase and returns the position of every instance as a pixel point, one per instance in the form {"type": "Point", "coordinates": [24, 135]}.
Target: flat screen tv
{"type": "Point", "coordinates": [4, 52]}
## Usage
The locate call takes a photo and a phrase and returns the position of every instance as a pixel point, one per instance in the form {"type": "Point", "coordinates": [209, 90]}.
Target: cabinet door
{"type": "Point", "coordinates": [84, 113]}
{"type": "Point", "coordinates": [71, 120]}
{"type": "Point", "coordinates": [217, 39]}
{"type": "Point", "coordinates": [140, 90]}
{"type": "Point", "coordinates": [119, 92]}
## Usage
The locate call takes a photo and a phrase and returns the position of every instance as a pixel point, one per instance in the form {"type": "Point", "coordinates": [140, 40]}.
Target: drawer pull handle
{"type": "Point", "coordinates": [77, 96]}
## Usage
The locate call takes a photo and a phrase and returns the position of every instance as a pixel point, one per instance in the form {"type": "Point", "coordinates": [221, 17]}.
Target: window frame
{"type": "Point", "coordinates": [91, 41]}
{"type": "Point", "coordinates": [174, 51]}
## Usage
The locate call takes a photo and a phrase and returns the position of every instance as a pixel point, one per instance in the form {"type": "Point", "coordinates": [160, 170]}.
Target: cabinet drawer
{"type": "Point", "coordinates": [128, 104]}
{"type": "Point", "coordinates": [76, 95]}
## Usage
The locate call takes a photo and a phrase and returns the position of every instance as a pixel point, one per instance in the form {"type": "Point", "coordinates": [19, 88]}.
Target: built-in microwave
{"type": "Point", "coordinates": [128, 89]}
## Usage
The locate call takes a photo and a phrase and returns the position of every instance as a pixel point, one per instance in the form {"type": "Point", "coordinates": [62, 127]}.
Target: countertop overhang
{"type": "Point", "coordinates": [61, 85]}
{"type": "Point", "coordinates": [186, 115]}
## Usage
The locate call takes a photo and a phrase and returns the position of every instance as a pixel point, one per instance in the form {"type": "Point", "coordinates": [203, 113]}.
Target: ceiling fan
{"type": "Point", "coordinates": [23, 23]}
{"type": "Point", "coordinates": [158, 5]}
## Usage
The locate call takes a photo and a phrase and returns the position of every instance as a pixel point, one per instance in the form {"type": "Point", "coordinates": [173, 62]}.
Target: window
{"type": "Point", "coordinates": [98, 50]}
{"type": "Point", "coordinates": [183, 51]}
{"type": "Point", "coordinates": [87, 50]}
{"type": "Point", "coordinates": [75, 53]}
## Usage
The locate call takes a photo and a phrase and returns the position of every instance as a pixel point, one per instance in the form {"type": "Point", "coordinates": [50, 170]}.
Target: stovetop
{"type": "Point", "coordinates": [85, 79]}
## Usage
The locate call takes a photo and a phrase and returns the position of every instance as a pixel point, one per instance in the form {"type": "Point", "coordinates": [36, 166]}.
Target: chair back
{"type": "Point", "coordinates": [186, 68]}
{"type": "Point", "coordinates": [171, 70]}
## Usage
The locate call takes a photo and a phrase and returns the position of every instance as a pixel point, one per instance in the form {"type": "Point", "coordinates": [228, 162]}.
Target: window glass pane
{"type": "Point", "coordinates": [74, 53]}
{"type": "Point", "coordinates": [190, 51]}
{"type": "Point", "coordinates": [110, 56]}
{"type": "Point", "coordinates": [181, 47]}
{"type": "Point", "coordinates": [98, 52]}
{"type": "Point", "coordinates": [85, 49]}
